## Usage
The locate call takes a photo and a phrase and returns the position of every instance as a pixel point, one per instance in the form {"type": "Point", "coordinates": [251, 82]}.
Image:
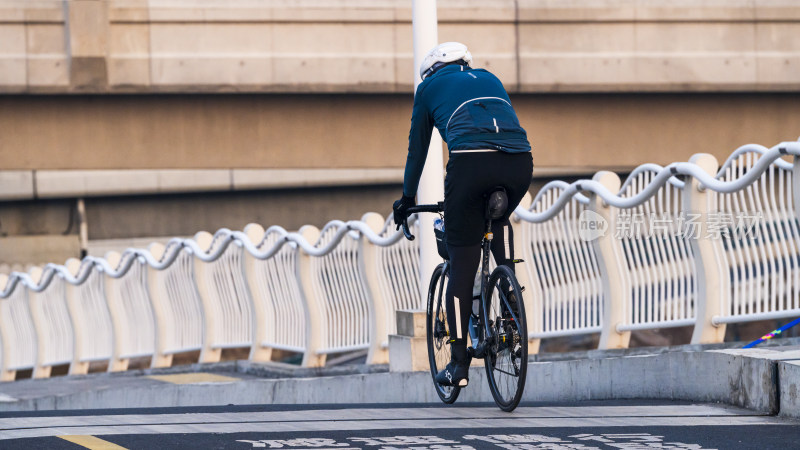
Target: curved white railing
{"type": "Point", "coordinates": [399, 276]}
{"type": "Point", "coordinates": [655, 275]}
{"type": "Point", "coordinates": [663, 176]}
{"type": "Point", "coordinates": [334, 290]}
{"type": "Point", "coordinates": [277, 294]}
{"type": "Point", "coordinates": [658, 257]}
{"type": "Point", "coordinates": [343, 299]}
{"type": "Point", "coordinates": [54, 329]}
{"type": "Point", "coordinates": [764, 257]}
{"type": "Point", "coordinates": [175, 302]}
{"type": "Point", "coordinates": [567, 291]}
{"type": "Point", "coordinates": [131, 312]}
{"type": "Point", "coordinates": [17, 334]}
{"type": "Point", "coordinates": [227, 303]}
{"type": "Point", "coordinates": [192, 294]}
{"type": "Point", "coordinates": [86, 302]}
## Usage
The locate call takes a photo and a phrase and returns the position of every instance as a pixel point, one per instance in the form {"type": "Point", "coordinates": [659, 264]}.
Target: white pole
{"type": "Point", "coordinates": [431, 185]}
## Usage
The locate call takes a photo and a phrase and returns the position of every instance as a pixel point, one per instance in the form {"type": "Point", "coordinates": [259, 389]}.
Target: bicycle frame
{"type": "Point", "coordinates": [495, 330]}
{"type": "Point", "coordinates": [486, 245]}
{"type": "Point", "coordinates": [486, 249]}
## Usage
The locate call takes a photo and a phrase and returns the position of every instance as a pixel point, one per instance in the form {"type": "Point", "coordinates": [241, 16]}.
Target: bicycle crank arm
{"type": "Point", "coordinates": [479, 351]}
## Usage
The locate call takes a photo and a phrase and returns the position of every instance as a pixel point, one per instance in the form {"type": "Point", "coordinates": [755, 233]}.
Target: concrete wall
{"type": "Point", "coordinates": [744, 378]}
{"type": "Point", "coordinates": [605, 53]}
{"type": "Point", "coordinates": [42, 231]}
{"type": "Point", "coordinates": [103, 97]}
{"type": "Point", "coordinates": [365, 45]}
{"type": "Point", "coordinates": [569, 132]}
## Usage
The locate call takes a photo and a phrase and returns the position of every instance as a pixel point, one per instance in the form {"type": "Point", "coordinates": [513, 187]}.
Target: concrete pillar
{"type": "Point", "coordinates": [87, 30]}
{"type": "Point", "coordinates": [408, 349]}
{"type": "Point", "coordinates": [5, 374]}
{"type": "Point", "coordinates": [160, 357]}
{"type": "Point", "coordinates": [369, 267]}
{"type": "Point", "coordinates": [711, 271]}
{"type": "Point", "coordinates": [39, 322]}
{"type": "Point", "coordinates": [611, 262]}
{"type": "Point", "coordinates": [312, 308]}
{"type": "Point", "coordinates": [258, 353]}
{"type": "Point", "coordinates": [76, 367]}
{"type": "Point", "coordinates": [118, 317]}
{"type": "Point", "coordinates": [208, 353]}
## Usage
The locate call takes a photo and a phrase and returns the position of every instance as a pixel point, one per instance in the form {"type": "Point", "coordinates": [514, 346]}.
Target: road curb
{"type": "Point", "coordinates": [751, 378]}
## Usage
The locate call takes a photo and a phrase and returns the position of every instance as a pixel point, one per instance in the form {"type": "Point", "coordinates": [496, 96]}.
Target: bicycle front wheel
{"type": "Point", "coordinates": [438, 335]}
{"type": "Point", "coordinates": [507, 336]}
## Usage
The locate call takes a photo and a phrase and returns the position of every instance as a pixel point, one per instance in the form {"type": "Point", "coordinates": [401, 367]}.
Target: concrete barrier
{"type": "Point", "coordinates": [789, 385]}
{"type": "Point", "coordinates": [764, 380]}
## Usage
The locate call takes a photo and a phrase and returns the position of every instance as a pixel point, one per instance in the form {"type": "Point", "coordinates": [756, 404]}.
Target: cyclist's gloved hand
{"type": "Point", "coordinates": [399, 208]}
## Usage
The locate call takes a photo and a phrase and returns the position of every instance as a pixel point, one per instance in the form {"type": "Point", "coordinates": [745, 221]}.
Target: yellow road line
{"type": "Point", "coordinates": [192, 378]}
{"type": "Point", "coordinates": [91, 442]}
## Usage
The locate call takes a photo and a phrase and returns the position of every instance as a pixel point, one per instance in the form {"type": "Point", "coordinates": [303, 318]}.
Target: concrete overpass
{"type": "Point", "coordinates": [256, 101]}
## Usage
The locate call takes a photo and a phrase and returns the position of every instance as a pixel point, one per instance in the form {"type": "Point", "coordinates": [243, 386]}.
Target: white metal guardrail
{"type": "Point", "coordinates": [600, 256]}
{"type": "Point", "coordinates": [54, 332]}
{"type": "Point", "coordinates": [90, 316]}
{"type": "Point", "coordinates": [339, 291]}
{"type": "Point", "coordinates": [278, 303]}
{"type": "Point", "coordinates": [175, 302]}
{"type": "Point", "coordinates": [131, 313]}
{"type": "Point", "coordinates": [666, 278]}
{"type": "Point", "coordinates": [398, 277]}
{"type": "Point", "coordinates": [227, 303]}
{"type": "Point", "coordinates": [17, 334]}
{"type": "Point", "coordinates": [764, 274]}
{"type": "Point", "coordinates": [658, 257]}
{"type": "Point", "coordinates": [561, 268]}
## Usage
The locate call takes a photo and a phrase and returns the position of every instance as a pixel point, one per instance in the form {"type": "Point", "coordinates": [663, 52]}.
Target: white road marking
{"type": "Point", "coordinates": [291, 427]}
{"type": "Point", "coordinates": [383, 418]}
{"type": "Point", "coordinates": [374, 413]}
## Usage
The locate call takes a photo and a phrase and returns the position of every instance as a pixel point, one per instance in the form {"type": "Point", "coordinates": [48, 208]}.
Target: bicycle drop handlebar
{"type": "Point", "coordinates": [439, 207]}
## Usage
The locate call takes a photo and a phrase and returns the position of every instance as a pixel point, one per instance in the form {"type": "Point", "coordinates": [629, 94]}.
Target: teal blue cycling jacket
{"type": "Point", "coordinates": [471, 110]}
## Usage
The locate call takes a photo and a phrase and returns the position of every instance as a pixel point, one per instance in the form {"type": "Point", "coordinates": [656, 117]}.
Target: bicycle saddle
{"type": "Point", "coordinates": [496, 203]}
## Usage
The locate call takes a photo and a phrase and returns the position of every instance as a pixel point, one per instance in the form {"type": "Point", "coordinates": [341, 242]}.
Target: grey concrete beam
{"type": "Point", "coordinates": [25, 184]}
{"type": "Point", "coordinates": [16, 184]}
{"type": "Point", "coordinates": [28, 184]}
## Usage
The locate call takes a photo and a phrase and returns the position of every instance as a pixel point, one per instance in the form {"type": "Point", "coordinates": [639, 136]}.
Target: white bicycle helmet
{"type": "Point", "coordinates": [444, 53]}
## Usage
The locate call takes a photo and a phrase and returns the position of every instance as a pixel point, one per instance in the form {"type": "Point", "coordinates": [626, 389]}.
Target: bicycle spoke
{"type": "Point", "coordinates": [507, 373]}
{"type": "Point", "coordinates": [438, 337]}
{"type": "Point", "coordinates": [506, 366]}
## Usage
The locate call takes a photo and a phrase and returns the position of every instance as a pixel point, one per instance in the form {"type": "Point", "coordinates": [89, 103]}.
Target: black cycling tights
{"type": "Point", "coordinates": [464, 262]}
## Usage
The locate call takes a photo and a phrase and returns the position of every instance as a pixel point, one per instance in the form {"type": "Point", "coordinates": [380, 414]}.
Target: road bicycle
{"type": "Point", "coordinates": [498, 330]}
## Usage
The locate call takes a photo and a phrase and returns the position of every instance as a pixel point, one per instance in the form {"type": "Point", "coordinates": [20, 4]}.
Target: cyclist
{"type": "Point", "coordinates": [487, 148]}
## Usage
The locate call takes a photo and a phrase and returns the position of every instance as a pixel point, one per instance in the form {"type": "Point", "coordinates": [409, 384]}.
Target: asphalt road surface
{"type": "Point", "coordinates": [637, 424]}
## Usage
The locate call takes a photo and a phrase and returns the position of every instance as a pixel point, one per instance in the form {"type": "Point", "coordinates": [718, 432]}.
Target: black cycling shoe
{"type": "Point", "coordinates": [454, 374]}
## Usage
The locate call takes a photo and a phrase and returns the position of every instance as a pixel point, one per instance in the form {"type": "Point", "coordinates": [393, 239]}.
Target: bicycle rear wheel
{"type": "Point", "coordinates": [507, 336]}
{"type": "Point", "coordinates": [438, 335]}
